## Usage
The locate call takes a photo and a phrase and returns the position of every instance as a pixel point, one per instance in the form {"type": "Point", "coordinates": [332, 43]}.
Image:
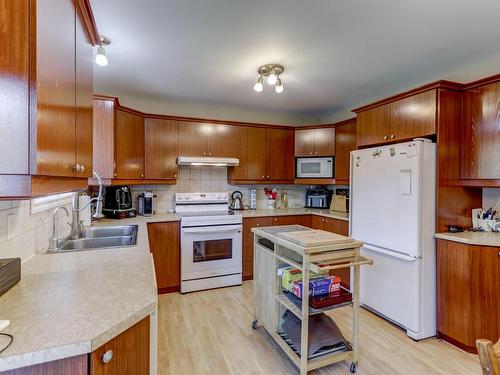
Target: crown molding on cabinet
{"type": "Point", "coordinates": [89, 21]}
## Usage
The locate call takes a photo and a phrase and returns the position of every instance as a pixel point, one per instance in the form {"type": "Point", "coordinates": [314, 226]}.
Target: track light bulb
{"type": "Point", "coordinates": [279, 87]}
{"type": "Point", "coordinates": [258, 85]}
{"type": "Point", "coordinates": [272, 78]}
{"type": "Point", "coordinates": [100, 57]}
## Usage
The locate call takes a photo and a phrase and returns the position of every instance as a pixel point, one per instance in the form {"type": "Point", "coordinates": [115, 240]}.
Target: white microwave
{"type": "Point", "coordinates": [314, 167]}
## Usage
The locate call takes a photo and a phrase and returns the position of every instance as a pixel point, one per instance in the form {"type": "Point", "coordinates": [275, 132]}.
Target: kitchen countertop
{"type": "Point", "coordinates": [472, 238]}
{"type": "Point", "coordinates": [71, 303]}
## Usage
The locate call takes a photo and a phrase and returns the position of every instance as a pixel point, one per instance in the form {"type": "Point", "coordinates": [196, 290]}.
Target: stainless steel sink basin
{"type": "Point", "coordinates": [98, 243]}
{"type": "Point", "coordinates": [98, 232]}
{"type": "Point", "coordinates": [94, 238]}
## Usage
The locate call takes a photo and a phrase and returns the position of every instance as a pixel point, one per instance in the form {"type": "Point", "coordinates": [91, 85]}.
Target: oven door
{"type": "Point", "coordinates": [314, 167]}
{"type": "Point", "coordinates": [211, 251]}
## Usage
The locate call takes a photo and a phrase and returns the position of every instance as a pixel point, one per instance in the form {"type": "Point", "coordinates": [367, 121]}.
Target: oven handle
{"type": "Point", "coordinates": [219, 229]}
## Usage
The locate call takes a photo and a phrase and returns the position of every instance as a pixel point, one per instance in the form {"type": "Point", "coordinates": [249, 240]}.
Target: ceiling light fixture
{"type": "Point", "coordinates": [100, 57]}
{"type": "Point", "coordinates": [272, 73]}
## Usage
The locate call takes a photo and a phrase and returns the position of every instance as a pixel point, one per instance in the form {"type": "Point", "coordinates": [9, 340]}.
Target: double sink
{"type": "Point", "coordinates": [101, 238]}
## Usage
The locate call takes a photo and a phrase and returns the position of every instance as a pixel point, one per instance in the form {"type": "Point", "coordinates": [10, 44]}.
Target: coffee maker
{"type": "Point", "coordinates": [118, 202]}
{"type": "Point", "coordinates": [145, 204]}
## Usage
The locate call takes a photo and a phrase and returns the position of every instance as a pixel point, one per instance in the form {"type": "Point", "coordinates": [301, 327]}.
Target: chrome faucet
{"type": "Point", "coordinates": [53, 242]}
{"type": "Point", "coordinates": [76, 224]}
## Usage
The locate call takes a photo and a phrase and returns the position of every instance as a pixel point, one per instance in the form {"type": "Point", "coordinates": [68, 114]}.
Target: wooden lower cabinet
{"type": "Point", "coordinates": [164, 243]}
{"type": "Point", "coordinates": [339, 227]}
{"type": "Point", "coordinates": [247, 258]}
{"type": "Point", "coordinates": [130, 353]}
{"type": "Point", "coordinates": [468, 304]}
{"type": "Point", "coordinates": [129, 356]}
{"type": "Point", "coordinates": [305, 220]}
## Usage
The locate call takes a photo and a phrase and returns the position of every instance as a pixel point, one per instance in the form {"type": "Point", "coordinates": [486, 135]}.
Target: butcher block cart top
{"type": "Point", "coordinates": [308, 250]}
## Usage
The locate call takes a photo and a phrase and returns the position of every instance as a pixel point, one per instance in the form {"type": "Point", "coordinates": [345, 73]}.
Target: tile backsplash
{"type": "Point", "coordinates": [195, 179]}
{"type": "Point", "coordinates": [22, 233]}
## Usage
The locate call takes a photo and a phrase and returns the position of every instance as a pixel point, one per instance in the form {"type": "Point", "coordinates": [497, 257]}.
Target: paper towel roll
{"type": "Point", "coordinates": [85, 214]}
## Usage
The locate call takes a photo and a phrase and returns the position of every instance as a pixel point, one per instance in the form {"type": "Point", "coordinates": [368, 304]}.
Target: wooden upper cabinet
{"type": "Point", "coordinates": [193, 139]}
{"type": "Point", "coordinates": [251, 151]}
{"type": "Point", "coordinates": [324, 142]}
{"type": "Point", "coordinates": [279, 154]}
{"type": "Point", "coordinates": [161, 148]}
{"type": "Point", "coordinates": [345, 142]}
{"type": "Point", "coordinates": [414, 116]}
{"type": "Point", "coordinates": [14, 83]}
{"type": "Point", "coordinates": [221, 140]}
{"type": "Point", "coordinates": [401, 120]}
{"type": "Point", "coordinates": [373, 125]}
{"type": "Point", "coordinates": [104, 137]}
{"type": "Point", "coordinates": [480, 146]}
{"type": "Point", "coordinates": [55, 88]}
{"type": "Point", "coordinates": [130, 351]}
{"type": "Point", "coordinates": [315, 142]}
{"type": "Point", "coordinates": [129, 146]}
{"type": "Point", "coordinates": [84, 77]}
{"type": "Point", "coordinates": [304, 142]}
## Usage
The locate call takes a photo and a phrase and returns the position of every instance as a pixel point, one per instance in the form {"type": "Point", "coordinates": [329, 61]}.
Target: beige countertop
{"type": "Point", "coordinates": [71, 303]}
{"type": "Point", "coordinates": [296, 211]}
{"type": "Point", "coordinates": [472, 238]}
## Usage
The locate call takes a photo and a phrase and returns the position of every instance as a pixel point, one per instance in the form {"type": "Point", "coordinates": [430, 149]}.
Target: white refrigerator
{"type": "Point", "coordinates": [393, 212]}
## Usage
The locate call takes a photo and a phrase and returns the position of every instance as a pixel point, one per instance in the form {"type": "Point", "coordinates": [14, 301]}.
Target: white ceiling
{"type": "Point", "coordinates": [337, 54]}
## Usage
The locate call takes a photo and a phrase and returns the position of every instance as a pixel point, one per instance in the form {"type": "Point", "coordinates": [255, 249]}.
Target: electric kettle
{"type": "Point", "coordinates": [236, 201]}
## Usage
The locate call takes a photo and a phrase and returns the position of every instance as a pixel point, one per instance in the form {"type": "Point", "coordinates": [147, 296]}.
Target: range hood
{"type": "Point", "coordinates": [207, 160]}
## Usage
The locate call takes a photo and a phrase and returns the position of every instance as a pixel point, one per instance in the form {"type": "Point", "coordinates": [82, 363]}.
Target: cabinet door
{"type": "Point", "coordinates": [324, 142]}
{"type": "Point", "coordinates": [164, 243]}
{"type": "Point", "coordinates": [248, 224]}
{"type": "Point", "coordinates": [161, 148]}
{"type": "Point", "coordinates": [317, 222]}
{"type": "Point", "coordinates": [373, 126]}
{"type": "Point", "coordinates": [279, 155]}
{"type": "Point", "coordinates": [221, 140]}
{"type": "Point", "coordinates": [481, 138]}
{"type": "Point", "coordinates": [304, 142]}
{"type": "Point", "coordinates": [84, 64]}
{"type": "Point", "coordinates": [251, 152]}
{"type": "Point", "coordinates": [130, 353]}
{"type": "Point", "coordinates": [129, 143]}
{"type": "Point", "coordinates": [14, 83]}
{"type": "Point", "coordinates": [193, 139]}
{"type": "Point", "coordinates": [414, 116]}
{"type": "Point", "coordinates": [345, 142]}
{"type": "Point", "coordinates": [55, 88]}
{"type": "Point", "coordinates": [104, 137]}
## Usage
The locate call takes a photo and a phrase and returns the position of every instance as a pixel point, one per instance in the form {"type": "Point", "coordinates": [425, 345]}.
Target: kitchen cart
{"type": "Point", "coordinates": [308, 250]}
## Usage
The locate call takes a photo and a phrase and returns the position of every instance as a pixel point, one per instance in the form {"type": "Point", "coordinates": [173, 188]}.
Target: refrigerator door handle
{"type": "Point", "coordinates": [391, 253]}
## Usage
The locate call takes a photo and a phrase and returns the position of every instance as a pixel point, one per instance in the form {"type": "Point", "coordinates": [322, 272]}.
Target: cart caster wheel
{"type": "Point", "coordinates": [254, 324]}
{"type": "Point", "coordinates": [354, 367]}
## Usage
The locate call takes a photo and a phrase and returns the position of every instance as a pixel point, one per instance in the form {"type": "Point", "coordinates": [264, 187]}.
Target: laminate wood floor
{"type": "Point", "coordinates": [209, 333]}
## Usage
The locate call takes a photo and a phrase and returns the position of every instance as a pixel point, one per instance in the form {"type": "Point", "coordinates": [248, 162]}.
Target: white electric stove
{"type": "Point", "coordinates": [211, 241]}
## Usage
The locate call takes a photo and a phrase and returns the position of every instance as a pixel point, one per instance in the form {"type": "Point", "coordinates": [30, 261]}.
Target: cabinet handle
{"type": "Point", "coordinates": [108, 356]}
{"type": "Point", "coordinates": [115, 174]}
{"type": "Point", "coordinates": [82, 168]}
{"type": "Point", "coordinates": [209, 154]}
{"type": "Point", "coordinates": [385, 138]}
{"type": "Point", "coordinates": [267, 177]}
{"type": "Point", "coordinates": [322, 220]}
{"type": "Point", "coordinates": [316, 153]}
{"type": "Point", "coordinates": [263, 176]}
{"type": "Point", "coordinates": [142, 175]}
{"type": "Point", "coordinates": [258, 225]}
{"type": "Point", "coordinates": [275, 219]}
{"type": "Point", "coordinates": [77, 168]}
{"type": "Point", "coordinates": [392, 136]}
{"type": "Point", "coordinates": [310, 153]}
{"type": "Point", "coordinates": [204, 154]}
{"type": "Point", "coordinates": [175, 176]}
